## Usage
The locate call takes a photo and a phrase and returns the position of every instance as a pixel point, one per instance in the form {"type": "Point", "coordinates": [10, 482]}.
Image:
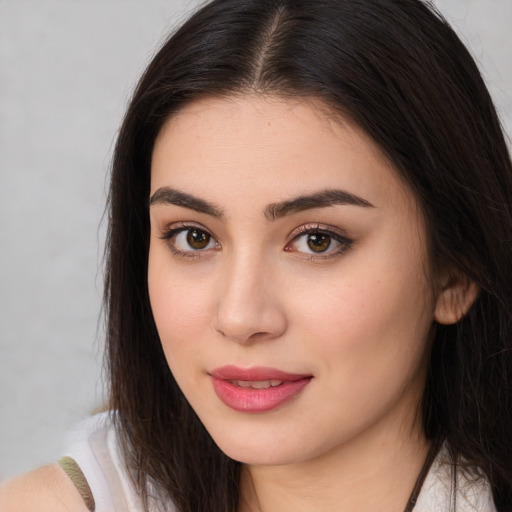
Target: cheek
{"type": "Point", "coordinates": [373, 322]}
{"type": "Point", "coordinates": [371, 347]}
{"type": "Point", "coordinates": [180, 306]}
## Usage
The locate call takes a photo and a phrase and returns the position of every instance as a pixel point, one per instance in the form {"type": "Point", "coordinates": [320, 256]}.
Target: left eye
{"type": "Point", "coordinates": [318, 242]}
{"type": "Point", "coordinates": [315, 242]}
{"type": "Point", "coordinates": [321, 243]}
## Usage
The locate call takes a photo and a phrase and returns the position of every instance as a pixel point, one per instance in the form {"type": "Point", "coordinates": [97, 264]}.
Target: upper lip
{"type": "Point", "coordinates": [255, 373]}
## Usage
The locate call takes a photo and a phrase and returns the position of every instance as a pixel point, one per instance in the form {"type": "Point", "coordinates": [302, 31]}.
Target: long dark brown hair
{"type": "Point", "coordinates": [396, 69]}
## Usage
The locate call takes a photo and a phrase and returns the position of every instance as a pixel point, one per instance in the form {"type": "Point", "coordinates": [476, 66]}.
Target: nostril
{"type": "Point", "coordinates": [248, 306]}
{"type": "Point", "coordinates": [258, 327]}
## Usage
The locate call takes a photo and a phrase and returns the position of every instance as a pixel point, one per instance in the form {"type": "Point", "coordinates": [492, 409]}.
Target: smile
{"type": "Point", "coordinates": [258, 389]}
{"type": "Point", "coordinates": [256, 384]}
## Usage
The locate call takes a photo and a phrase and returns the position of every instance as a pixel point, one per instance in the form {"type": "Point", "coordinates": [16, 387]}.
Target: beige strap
{"type": "Point", "coordinates": [75, 474]}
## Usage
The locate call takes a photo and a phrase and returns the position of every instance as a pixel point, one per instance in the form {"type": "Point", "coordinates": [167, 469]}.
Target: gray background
{"type": "Point", "coordinates": [66, 70]}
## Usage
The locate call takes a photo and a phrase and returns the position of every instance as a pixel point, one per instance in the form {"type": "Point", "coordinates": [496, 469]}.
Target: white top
{"type": "Point", "coordinates": [93, 445]}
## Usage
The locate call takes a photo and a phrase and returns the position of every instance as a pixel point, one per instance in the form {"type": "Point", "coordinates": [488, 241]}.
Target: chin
{"type": "Point", "coordinates": [258, 456]}
{"type": "Point", "coordinates": [261, 449]}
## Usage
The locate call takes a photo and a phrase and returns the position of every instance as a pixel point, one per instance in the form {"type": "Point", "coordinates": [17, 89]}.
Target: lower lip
{"type": "Point", "coordinates": [252, 400]}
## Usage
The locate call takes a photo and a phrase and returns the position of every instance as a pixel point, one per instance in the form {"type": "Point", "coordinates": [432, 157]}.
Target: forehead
{"type": "Point", "coordinates": [268, 148]}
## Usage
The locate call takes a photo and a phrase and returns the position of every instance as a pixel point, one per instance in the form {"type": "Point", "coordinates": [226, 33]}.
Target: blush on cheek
{"type": "Point", "coordinates": [180, 317]}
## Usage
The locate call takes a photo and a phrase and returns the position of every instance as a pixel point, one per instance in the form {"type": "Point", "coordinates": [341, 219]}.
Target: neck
{"type": "Point", "coordinates": [374, 472]}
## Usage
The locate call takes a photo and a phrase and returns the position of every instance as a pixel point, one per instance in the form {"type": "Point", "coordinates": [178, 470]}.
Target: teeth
{"type": "Point", "coordinates": [260, 384]}
{"type": "Point", "coordinates": [257, 384]}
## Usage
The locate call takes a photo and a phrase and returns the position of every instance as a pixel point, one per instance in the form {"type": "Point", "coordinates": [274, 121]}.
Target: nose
{"type": "Point", "coordinates": [249, 306]}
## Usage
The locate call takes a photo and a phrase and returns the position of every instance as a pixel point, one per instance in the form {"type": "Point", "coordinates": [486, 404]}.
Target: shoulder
{"type": "Point", "coordinates": [449, 487]}
{"type": "Point", "coordinates": [103, 477]}
{"type": "Point", "coordinates": [45, 489]}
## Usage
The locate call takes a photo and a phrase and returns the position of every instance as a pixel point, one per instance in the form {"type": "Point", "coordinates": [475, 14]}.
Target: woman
{"type": "Point", "coordinates": [308, 277]}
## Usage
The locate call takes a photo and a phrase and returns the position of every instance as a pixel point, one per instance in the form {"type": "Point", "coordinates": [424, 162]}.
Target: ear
{"type": "Point", "coordinates": [456, 294]}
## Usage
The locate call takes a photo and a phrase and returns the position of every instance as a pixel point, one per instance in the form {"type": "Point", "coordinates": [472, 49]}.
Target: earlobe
{"type": "Point", "coordinates": [454, 299]}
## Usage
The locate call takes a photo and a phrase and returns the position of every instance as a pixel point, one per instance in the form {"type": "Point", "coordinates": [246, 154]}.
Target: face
{"type": "Point", "coordinates": [288, 279]}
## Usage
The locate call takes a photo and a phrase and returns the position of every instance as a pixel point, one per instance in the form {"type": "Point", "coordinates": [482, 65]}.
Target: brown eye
{"type": "Point", "coordinates": [190, 241]}
{"type": "Point", "coordinates": [198, 239]}
{"type": "Point", "coordinates": [319, 242]}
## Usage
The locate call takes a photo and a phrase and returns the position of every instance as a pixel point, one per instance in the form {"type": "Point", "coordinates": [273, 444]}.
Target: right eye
{"type": "Point", "coordinates": [189, 241]}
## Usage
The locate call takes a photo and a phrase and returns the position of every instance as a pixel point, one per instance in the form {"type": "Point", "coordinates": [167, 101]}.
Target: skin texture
{"type": "Point", "coordinates": [45, 489]}
{"type": "Point", "coordinates": [357, 318]}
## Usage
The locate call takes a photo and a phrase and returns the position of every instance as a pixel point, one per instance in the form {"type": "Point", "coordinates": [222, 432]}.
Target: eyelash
{"type": "Point", "coordinates": [170, 234]}
{"type": "Point", "coordinates": [343, 242]}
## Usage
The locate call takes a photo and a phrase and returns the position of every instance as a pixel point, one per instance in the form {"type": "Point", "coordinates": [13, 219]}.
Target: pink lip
{"type": "Point", "coordinates": [251, 400]}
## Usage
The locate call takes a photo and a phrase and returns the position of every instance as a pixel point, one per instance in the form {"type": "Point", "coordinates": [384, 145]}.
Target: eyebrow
{"type": "Point", "coordinates": [322, 199]}
{"type": "Point", "coordinates": [274, 211]}
{"type": "Point", "coordinates": [167, 195]}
